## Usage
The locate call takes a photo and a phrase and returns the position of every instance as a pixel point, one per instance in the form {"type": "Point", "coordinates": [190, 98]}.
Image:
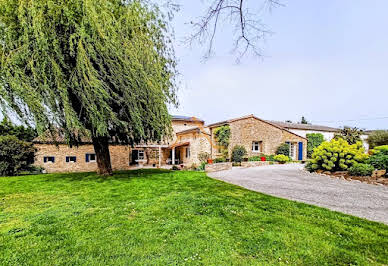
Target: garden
{"type": "Point", "coordinates": [348, 160]}
{"type": "Point", "coordinates": [162, 217]}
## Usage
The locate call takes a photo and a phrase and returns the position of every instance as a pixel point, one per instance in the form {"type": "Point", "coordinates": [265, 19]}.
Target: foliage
{"type": "Point", "coordinates": [284, 149]}
{"type": "Point", "coordinates": [337, 155]}
{"type": "Point", "coordinates": [21, 132]}
{"type": "Point", "coordinates": [201, 167]}
{"type": "Point", "coordinates": [53, 219]}
{"type": "Point", "coordinates": [378, 138]}
{"type": "Point", "coordinates": [258, 158]}
{"type": "Point", "coordinates": [303, 120]}
{"type": "Point", "coordinates": [203, 157]}
{"type": "Point", "coordinates": [15, 155]}
{"type": "Point", "coordinates": [281, 158]}
{"type": "Point", "coordinates": [381, 150]}
{"type": "Point", "coordinates": [379, 158]}
{"type": "Point", "coordinates": [219, 160]}
{"type": "Point", "coordinates": [175, 168]}
{"type": "Point", "coordinates": [238, 153]}
{"type": "Point", "coordinates": [313, 141]}
{"type": "Point", "coordinates": [361, 169]}
{"type": "Point", "coordinates": [102, 68]}
{"type": "Point", "coordinates": [222, 135]}
{"type": "Point", "coordinates": [254, 159]}
{"type": "Point", "coordinates": [351, 135]}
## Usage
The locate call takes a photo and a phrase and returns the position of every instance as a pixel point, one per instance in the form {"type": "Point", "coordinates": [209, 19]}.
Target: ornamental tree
{"type": "Point", "coordinates": [98, 68]}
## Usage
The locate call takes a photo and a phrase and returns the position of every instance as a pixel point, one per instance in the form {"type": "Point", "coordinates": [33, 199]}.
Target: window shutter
{"type": "Point", "coordinates": [67, 159]}
{"type": "Point", "coordinates": [75, 159]}
{"type": "Point", "coordinates": [45, 159]}
{"type": "Point", "coordinates": [53, 159]}
{"type": "Point", "coordinates": [87, 158]}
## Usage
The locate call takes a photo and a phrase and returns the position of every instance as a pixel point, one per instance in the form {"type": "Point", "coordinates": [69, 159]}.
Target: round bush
{"type": "Point", "coordinates": [238, 153]}
{"type": "Point", "coordinates": [361, 169]}
{"type": "Point", "coordinates": [284, 149]}
{"type": "Point", "coordinates": [282, 158]}
{"type": "Point", "coordinates": [337, 155]}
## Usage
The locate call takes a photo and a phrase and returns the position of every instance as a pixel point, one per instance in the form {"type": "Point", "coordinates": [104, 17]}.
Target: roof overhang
{"type": "Point", "coordinates": [181, 144]}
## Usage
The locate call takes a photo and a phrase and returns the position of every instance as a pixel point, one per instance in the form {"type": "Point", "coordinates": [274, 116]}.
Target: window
{"type": "Point", "coordinates": [49, 159]}
{"type": "Point", "coordinates": [188, 152]}
{"type": "Point", "coordinates": [71, 159]}
{"type": "Point", "coordinates": [140, 155]}
{"type": "Point", "coordinates": [90, 157]}
{"type": "Point", "coordinates": [256, 146]}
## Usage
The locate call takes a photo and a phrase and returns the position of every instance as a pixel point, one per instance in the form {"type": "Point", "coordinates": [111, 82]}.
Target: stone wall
{"type": "Point", "coordinates": [215, 167]}
{"type": "Point", "coordinates": [119, 157]}
{"type": "Point", "coordinates": [247, 130]}
{"type": "Point", "coordinates": [256, 163]}
{"type": "Point", "coordinates": [199, 142]}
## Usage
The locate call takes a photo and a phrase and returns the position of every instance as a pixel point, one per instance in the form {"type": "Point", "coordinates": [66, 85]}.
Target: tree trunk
{"type": "Point", "coordinates": [101, 147]}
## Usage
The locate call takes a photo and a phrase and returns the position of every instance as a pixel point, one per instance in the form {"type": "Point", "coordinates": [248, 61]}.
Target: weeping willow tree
{"type": "Point", "coordinates": [100, 68]}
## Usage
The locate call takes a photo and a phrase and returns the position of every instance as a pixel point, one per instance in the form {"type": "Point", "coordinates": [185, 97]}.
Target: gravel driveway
{"type": "Point", "coordinates": [290, 181]}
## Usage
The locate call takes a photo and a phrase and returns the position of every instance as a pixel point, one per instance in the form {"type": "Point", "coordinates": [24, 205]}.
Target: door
{"type": "Point", "coordinates": [134, 156]}
{"type": "Point", "coordinates": [300, 151]}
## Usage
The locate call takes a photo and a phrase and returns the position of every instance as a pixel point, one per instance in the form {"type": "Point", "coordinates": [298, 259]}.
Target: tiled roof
{"type": "Point", "coordinates": [288, 125]}
{"type": "Point", "coordinates": [185, 118]}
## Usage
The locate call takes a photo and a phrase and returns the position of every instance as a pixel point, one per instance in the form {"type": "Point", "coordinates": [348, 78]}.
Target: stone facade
{"type": "Point", "coordinates": [246, 130]}
{"type": "Point", "coordinates": [119, 156]}
{"type": "Point", "coordinates": [215, 167]}
{"type": "Point", "coordinates": [190, 138]}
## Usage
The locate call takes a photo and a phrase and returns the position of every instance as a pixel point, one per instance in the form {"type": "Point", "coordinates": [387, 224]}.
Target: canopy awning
{"type": "Point", "coordinates": [175, 145]}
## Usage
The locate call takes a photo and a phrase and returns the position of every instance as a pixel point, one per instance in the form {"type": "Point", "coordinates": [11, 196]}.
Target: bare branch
{"type": "Point", "coordinates": [249, 33]}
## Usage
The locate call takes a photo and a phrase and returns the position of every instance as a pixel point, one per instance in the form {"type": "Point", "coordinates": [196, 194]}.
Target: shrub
{"type": "Point", "coordinates": [336, 155]}
{"type": "Point", "coordinates": [281, 158]}
{"type": "Point", "coordinates": [254, 159]}
{"type": "Point", "coordinates": [313, 141]}
{"type": "Point", "coordinates": [238, 153]}
{"type": "Point", "coordinates": [270, 158]}
{"type": "Point", "coordinates": [201, 167]}
{"type": "Point", "coordinates": [220, 160]}
{"type": "Point", "coordinates": [378, 138]}
{"type": "Point", "coordinates": [379, 158]}
{"type": "Point", "coordinates": [361, 169]}
{"type": "Point", "coordinates": [284, 149]}
{"type": "Point", "coordinates": [175, 168]}
{"type": "Point", "coordinates": [15, 155]}
{"type": "Point", "coordinates": [350, 135]}
{"type": "Point", "coordinates": [203, 157]}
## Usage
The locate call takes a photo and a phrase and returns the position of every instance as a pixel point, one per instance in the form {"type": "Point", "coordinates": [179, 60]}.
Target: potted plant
{"type": "Point", "coordinates": [209, 161]}
{"type": "Point", "coordinates": [263, 158]}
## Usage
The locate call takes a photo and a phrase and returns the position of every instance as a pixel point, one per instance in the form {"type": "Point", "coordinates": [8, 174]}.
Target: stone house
{"type": "Point", "coordinates": [190, 138]}
{"type": "Point", "coordinates": [259, 137]}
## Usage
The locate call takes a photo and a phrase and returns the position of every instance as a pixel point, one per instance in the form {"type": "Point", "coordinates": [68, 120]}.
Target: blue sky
{"type": "Point", "coordinates": [327, 61]}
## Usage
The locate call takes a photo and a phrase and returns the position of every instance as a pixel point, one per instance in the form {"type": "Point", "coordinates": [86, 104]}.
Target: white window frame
{"type": "Point", "coordinates": [256, 144]}
{"type": "Point", "coordinates": [188, 152]}
{"type": "Point", "coordinates": [95, 157]}
{"type": "Point", "coordinates": [140, 154]}
{"type": "Point", "coordinates": [47, 161]}
{"type": "Point", "coordinates": [70, 157]}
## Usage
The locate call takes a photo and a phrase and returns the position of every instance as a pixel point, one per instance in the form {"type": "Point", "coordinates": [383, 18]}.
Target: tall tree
{"type": "Point", "coordinates": [304, 121]}
{"type": "Point", "coordinates": [100, 68]}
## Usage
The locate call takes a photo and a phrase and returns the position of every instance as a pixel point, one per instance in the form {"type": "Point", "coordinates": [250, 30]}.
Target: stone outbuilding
{"type": "Point", "coordinates": [259, 137]}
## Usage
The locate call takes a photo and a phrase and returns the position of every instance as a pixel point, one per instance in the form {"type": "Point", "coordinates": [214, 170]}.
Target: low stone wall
{"type": "Point", "coordinates": [256, 163]}
{"type": "Point", "coordinates": [215, 167]}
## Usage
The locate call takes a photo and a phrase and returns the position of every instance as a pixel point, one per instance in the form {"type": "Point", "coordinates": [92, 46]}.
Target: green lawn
{"type": "Point", "coordinates": [162, 217]}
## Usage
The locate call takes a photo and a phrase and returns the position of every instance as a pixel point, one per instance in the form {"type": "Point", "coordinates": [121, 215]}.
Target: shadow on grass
{"type": "Point", "coordinates": [117, 175]}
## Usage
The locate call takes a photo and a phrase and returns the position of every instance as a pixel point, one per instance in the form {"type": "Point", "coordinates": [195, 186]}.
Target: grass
{"type": "Point", "coordinates": [161, 217]}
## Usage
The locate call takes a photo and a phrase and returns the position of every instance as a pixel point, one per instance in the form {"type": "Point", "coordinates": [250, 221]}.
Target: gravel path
{"type": "Point", "coordinates": [290, 181]}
